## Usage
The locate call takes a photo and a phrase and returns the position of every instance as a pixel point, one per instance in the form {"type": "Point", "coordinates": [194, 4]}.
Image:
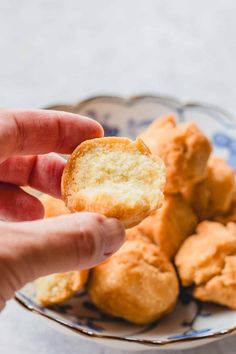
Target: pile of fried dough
{"type": "Point", "coordinates": [192, 233]}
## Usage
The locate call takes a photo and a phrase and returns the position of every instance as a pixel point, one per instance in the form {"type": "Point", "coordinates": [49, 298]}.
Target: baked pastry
{"type": "Point", "coordinates": [214, 195]}
{"type": "Point", "coordinates": [183, 148]}
{"type": "Point", "coordinates": [59, 287]}
{"type": "Point", "coordinates": [115, 177]}
{"type": "Point", "coordinates": [207, 260]}
{"type": "Point", "coordinates": [231, 214]}
{"type": "Point", "coordinates": [168, 226]}
{"type": "Point", "coordinates": [136, 234]}
{"type": "Point", "coordinates": [55, 288]}
{"type": "Point", "coordinates": [53, 206]}
{"type": "Point", "coordinates": [137, 283]}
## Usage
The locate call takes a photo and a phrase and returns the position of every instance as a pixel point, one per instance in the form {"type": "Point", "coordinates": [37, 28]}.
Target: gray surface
{"type": "Point", "coordinates": [55, 51]}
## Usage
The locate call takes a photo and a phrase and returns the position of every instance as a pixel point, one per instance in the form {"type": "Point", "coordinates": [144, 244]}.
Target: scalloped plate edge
{"type": "Point", "coordinates": [26, 305]}
{"type": "Point", "coordinates": [129, 100]}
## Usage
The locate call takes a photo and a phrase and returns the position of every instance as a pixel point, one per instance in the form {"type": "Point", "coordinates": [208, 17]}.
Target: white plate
{"type": "Point", "coordinates": [191, 324]}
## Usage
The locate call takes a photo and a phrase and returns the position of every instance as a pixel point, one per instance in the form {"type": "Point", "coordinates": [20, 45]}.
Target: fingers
{"type": "Point", "coordinates": [17, 205]}
{"type": "Point", "coordinates": [40, 131]}
{"type": "Point", "coordinates": [80, 240]}
{"type": "Point", "coordinates": [29, 250]}
{"type": "Point", "coordinates": [42, 172]}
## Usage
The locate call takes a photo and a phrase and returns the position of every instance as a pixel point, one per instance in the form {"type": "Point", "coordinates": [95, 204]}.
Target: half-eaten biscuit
{"type": "Point", "coordinates": [115, 177]}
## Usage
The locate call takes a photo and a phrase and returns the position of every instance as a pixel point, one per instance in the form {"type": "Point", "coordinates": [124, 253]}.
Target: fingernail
{"type": "Point", "coordinates": [114, 233]}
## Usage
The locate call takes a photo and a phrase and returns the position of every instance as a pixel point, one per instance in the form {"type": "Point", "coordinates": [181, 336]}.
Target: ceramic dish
{"type": "Point", "coordinates": [192, 323]}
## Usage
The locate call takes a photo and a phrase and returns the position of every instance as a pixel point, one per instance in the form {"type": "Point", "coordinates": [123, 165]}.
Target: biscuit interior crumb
{"type": "Point", "coordinates": [129, 178]}
{"type": "Point", "coordinates": [55, 288]}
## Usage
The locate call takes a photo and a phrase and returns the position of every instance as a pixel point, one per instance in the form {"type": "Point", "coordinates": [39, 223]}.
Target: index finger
{"type": "Point", "coordinates": [24, 132]}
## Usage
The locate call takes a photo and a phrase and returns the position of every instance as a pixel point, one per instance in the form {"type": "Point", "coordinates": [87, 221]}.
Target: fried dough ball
{"type": "Point", "coordinates": [183, 148]}
{"type": "Point", "coordinates": [115, 177]}
{"type": "Point", "coordinates": [55, 288]}
{"type": "Point", "coordinates": [168, 227]}
{"type": "Point", "coordinates": [231, 214]}
{"type": "Point", "coordinates": [136, 234]}
{"type": "Point", "coordinates": [137, 283]}
{"type": "Point", "coordinates": [53, 206]}
{"type": "Point", "coordinates": [207, 260]}
{"type": "Point", "coordinates": [214, 195]}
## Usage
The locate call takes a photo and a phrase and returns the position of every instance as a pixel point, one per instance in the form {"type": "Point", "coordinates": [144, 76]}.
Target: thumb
{"type": "Point", "coordinates": [29, 250]}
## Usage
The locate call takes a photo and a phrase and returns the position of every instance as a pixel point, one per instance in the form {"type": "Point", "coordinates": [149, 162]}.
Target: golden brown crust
{"type": "Point", "coordinates": [55, 288]}
{"type": "Point", "coordinates": [129, 210]}
{"type": "Point", "coordinates": [208, 261]}
{"type": "Point", "coordinates": [168, 227]}
{"type": "Point", "coordinates": [230, 216]}
{"type": "Point", "coordinates": [136, 234]}
{"type": "Point", "coordinates": [213, 196]}
{"type": "Point", "coordinates": [183, 148]}
{"type": "Point", "coordinates": [221, 288]}
{"type": "Point", "coordinates": [138, 283]}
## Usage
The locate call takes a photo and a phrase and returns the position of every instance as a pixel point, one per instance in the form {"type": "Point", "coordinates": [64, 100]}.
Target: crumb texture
{"type": "Point", "coordinates": [55, 288]}
{"type": "Point", "coordinates": [118, 180]}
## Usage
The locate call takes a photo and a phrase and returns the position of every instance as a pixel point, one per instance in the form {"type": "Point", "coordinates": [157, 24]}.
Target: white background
{"type": "Point", "coordinates": [62, 51]}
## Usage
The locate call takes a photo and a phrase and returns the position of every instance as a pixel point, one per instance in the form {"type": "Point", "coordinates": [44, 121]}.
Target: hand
{"type": "Point", "coordinates": [29, 249]}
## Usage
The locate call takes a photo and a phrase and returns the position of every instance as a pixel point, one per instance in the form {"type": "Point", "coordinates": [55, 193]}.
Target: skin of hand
{"type": "Point", "coordinates": [30, 247]}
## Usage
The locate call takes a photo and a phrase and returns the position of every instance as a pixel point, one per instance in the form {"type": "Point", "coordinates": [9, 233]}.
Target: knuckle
{"type": "Point", "coordinates": [20, 133]}
{"type": "Point", "coordinates": [86, 244]}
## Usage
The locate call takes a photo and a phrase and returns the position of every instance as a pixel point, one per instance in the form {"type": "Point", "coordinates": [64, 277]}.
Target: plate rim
{"type": "Point", "coordinates": [147, 342]}
{"type": "Point", "coordinates": [131, 100]}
